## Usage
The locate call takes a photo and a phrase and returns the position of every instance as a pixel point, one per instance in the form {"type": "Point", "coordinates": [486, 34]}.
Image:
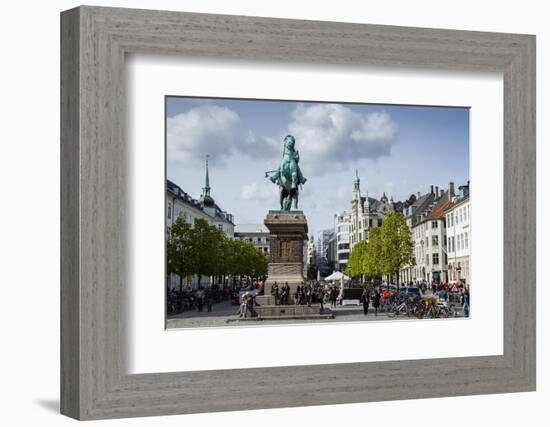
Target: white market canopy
{"type": "Point", "coordinates": [337, 275]}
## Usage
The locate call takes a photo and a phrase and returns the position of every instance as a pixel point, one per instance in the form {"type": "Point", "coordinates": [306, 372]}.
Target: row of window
{"type": "Point", "coordinates": [258, 240]}
{"type": "Point", "coordinates": [371, 223]}
{"type": "Point", "coordinates": [187, 218]}
{"type": "Point", "coordinates": [435, 259]}
{"type": "Point", "coordinates": [458, 244]}
{"type": "Point", "coordinates": [419, 231]}
{"type": "Point", "coordinates": [460, 215]}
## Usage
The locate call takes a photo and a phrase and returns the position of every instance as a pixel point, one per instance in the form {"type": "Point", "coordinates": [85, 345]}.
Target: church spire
{"type": "Point", "coordinates": [356, 187]}
{"type": "Point", "coordinates": [206, 188]}
{"type": "Point", "coordinates": [206, 199]}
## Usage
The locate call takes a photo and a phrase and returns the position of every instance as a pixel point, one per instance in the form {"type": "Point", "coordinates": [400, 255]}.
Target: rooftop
{"type": "Point", "coordinates": [251, 228]}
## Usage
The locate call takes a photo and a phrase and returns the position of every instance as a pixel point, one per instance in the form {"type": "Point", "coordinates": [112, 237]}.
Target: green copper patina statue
{"type": "Point", "coordinates": [288, 176]}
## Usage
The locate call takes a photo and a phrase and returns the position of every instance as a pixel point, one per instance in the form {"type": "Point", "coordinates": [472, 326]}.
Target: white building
{"type": "Point", "coordinates": [413, 210]}
{"type": "Point", "coordinates": [342, 225]}
{"type": "Point", "coordinates": [181, 204]}
{"type": "Point", "coordinates": [257, 234]}
{"type": "Point", "coordinates": [429, 235]}
{"type": "Point", "coordinates": [459, 237]}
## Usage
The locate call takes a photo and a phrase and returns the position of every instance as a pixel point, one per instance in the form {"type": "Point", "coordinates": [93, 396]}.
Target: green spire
{"type": "Point", "coordinates": [206, 188]}
{"type": "Point", "coordinates": [356, 188]}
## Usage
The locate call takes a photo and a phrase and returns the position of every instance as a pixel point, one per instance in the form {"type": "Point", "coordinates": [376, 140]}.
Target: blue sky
{"type": "Point", "coordinates": [397, 149]}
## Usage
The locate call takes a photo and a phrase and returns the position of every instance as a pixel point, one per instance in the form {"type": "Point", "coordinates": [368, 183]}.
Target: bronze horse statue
{"type": "Point", "coordinates": [288, 176]}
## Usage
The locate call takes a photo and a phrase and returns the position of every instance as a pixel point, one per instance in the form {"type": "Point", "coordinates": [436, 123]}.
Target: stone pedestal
{"type": "Point", "coordinates": [287, 237]}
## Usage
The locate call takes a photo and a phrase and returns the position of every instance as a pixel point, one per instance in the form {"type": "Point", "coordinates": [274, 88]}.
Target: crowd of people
{"type": "Point", "coordinates": [306, 293]}
{"type": "Point", "coordinates": [189, 299]}
{"type": "Point", "coordinates": [380, 298]}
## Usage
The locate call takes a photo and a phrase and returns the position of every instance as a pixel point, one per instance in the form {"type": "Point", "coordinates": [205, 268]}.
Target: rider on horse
{"type": "Point", "coordinates": [289, 176]}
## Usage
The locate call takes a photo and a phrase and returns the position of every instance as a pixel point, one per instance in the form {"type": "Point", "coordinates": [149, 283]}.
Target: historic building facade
{"type": "Point", "coordinates": [366, 213]}
{"type": "Point", "coordinates": [415, 210]}
{"type": "Point", "coordinates": [459, 236]}
{"type": "Point", "coordinates": [429, 232]}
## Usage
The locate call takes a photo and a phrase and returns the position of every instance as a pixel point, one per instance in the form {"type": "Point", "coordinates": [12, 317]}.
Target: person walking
{"type": "Point", "coordinates": [365, 298]}
{"type": "Point", "coordinates": [200, 299]}
{"type": "Point", "coordinates": [376, 301]}
{"type": "Point", "coordinates": [321, 296]}
{"type": "Point", "coordinates": [465, 300]}
{"type": "Point", "coordinates": [333, 297]}
{"type": "Point", "coordinates": [285, 293]}
{"type": "Point", "coordinates": [209, 299]}
{"type": "Point", "coordinates": [275, 292]}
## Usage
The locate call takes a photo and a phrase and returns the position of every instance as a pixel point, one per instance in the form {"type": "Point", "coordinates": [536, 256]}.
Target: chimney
{"type": "Point", "coordinates": [431, 189]}
{"type": "Point", "coordinates": [436, 191]}
{"type": "Point", "coordinates": [417, 195]}
{"type": "Point", "coordinates": [451, 189]}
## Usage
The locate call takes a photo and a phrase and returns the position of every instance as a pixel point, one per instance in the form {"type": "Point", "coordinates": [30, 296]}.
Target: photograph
{"type": "Point", "coordinates": [283, 212]}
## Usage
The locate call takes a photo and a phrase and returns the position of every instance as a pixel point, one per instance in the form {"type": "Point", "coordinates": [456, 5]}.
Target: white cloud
{"type": "Point", "coordinates": [259, 147]}
{"type": "Point", "coordinates": [207, 129]}
{"type": "Point", "coordinates": [261, 193]}
{"type": "Point", "coordinates": [329, 136]}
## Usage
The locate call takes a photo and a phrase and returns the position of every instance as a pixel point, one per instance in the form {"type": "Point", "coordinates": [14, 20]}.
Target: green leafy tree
{"type": "Point", "coordinates": [373, 261]}
{"type": "Point", "coordinates": [205, 248]}
{"type": "Point", "coordinates": [260, 264]}
{"type": "Point", "coordinates": [396, 245]}
{"type": "Point", "coordinates": [179, 259]}
{"type": "Point", "coordinates": [355, 267]}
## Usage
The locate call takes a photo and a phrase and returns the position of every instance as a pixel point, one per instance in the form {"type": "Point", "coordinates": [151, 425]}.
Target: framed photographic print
{"type": "Point", "coordinates": [274, 212]}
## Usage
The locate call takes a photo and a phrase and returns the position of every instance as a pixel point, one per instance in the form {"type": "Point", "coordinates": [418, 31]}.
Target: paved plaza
{"type": "Point", "coordinates": [225, 314]}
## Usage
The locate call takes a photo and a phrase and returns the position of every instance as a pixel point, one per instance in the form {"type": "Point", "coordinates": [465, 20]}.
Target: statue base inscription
{"type": "Point", "coordinates": [287, 237]}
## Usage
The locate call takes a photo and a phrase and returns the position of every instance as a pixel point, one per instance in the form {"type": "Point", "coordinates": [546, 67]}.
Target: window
{"type": "Point", "coordinates": [465, 240]}
{"type": "Point", "coordinates": [434, 224]}
{"type": "Point", "coordinates": [286, 249]}
{"type": "Point", "coordinates": [453, 243]}
{"type": "Point", "coordinates": [435, 240]}
{"type": "Point", "coordinates": [450, 220]}
{"type": "Point", "coordinates": [169, 210]}
{"type": "Point", "coordinates": [435, 259]}
{"type": "Point", "coordinates": [427, 260]}
{"type": "Point", "coordinates": [379, 223]}
{"type": "Point", "coordinates": [370, 222]}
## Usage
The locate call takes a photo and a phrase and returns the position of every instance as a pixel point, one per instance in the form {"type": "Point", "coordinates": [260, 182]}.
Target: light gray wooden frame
{"type": "Point", "coordinates": [94, 41]}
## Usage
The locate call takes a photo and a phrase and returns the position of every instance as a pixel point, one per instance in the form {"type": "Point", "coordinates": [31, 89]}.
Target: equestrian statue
{"type": "Point", "coordinates": [288, 176]}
